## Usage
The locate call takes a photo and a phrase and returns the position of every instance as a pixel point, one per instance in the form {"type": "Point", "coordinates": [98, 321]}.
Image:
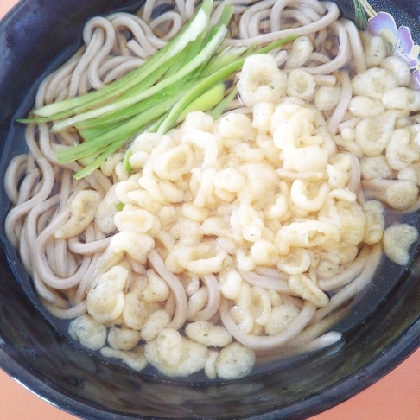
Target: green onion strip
{"type": "Point", "coordinates": [188, 74]}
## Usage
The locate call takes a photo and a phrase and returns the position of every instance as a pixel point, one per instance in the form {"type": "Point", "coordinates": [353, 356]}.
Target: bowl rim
{"type": "Point", "coordinates": [330, 397]}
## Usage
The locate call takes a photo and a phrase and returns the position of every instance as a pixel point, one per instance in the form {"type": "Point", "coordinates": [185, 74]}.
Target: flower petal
{"type": "Point", "coordinates": [415, 80]}
{"type": "Point", "coordinates": [405, 46]}
{"type": "Point", "coordinates": [384, 24]}
{"type": "Point", "coordinates": [405, 41]}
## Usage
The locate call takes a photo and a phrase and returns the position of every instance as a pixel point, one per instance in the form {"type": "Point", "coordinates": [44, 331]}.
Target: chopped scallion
{"type": "Point", "coordinates": [188, 74]}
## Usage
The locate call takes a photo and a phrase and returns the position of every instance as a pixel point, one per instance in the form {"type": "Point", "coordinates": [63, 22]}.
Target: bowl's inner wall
{"type": "Point", "coordinates": [36, 34]}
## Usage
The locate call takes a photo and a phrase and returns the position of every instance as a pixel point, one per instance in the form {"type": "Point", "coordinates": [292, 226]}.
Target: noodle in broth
{"type": "Point", "coordinates": [225, 313]}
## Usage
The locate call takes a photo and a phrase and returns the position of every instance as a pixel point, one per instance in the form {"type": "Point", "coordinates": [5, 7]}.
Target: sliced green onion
{"type": "Point", "coordinates": [188, 74]}
{"type": "Point", "coordinates": [208, 83]}
{"type": "Point", "coordinates": [120, 206]}
{"type": "Point", "coordinates": [200, 59]}
{"type": "Point", "coordinates": [205, 102]}
{"type": "Point", "coordinates": [223, 104]}
{"type": "Point", "coordinates": [118, 134]}
{"type": "Point", "coordinates": [188, 33]}
{"type": "Point", "coordinates": [126, 162]}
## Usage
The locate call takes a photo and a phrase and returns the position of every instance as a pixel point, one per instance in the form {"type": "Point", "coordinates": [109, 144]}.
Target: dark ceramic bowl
{"type": "Point", "coordinates": [383, 329]}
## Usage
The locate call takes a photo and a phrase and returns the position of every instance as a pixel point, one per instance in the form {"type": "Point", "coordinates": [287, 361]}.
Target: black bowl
{"type": "Point", "coordinates": [382, 331]}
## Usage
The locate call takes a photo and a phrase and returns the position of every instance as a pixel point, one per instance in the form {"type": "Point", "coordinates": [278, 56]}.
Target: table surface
{"type": "Point", "coordinates": [395, 397]}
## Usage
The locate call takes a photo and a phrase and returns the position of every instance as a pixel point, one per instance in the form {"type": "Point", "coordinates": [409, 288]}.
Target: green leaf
{"type": "Point", "coordinates": [360, 17]}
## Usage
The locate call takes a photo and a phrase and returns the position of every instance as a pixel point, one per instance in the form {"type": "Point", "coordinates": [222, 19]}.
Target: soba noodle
{"type": "Point", "coordinates": [272, 308]}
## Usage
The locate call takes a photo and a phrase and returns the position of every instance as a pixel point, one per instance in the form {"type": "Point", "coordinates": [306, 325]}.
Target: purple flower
{"type": "Point", "coordinates": [383, 21]}
{"type": "Point", "coordinates": [400, 38]}
{"type": "Point", "coordinates": [415, 80]}
{"type": "Point", "coordinates": [400, 41]}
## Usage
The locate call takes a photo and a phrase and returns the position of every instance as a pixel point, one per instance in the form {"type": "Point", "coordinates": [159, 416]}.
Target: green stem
{"type": "Point", "coordinates": [99, 160]}
{"type": "Point", "coordinates": [208, 83]}
{"type": "Point", "coordinates": [199, 60]}
{"type": "Point", "coordinates": [114, 118]}
{"type": "Point", "coordinates": [120, 133]}
{"type": "Point", "coordinates": [187, 34]}
{"type": "Point", "coordinates": [223, 104]}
